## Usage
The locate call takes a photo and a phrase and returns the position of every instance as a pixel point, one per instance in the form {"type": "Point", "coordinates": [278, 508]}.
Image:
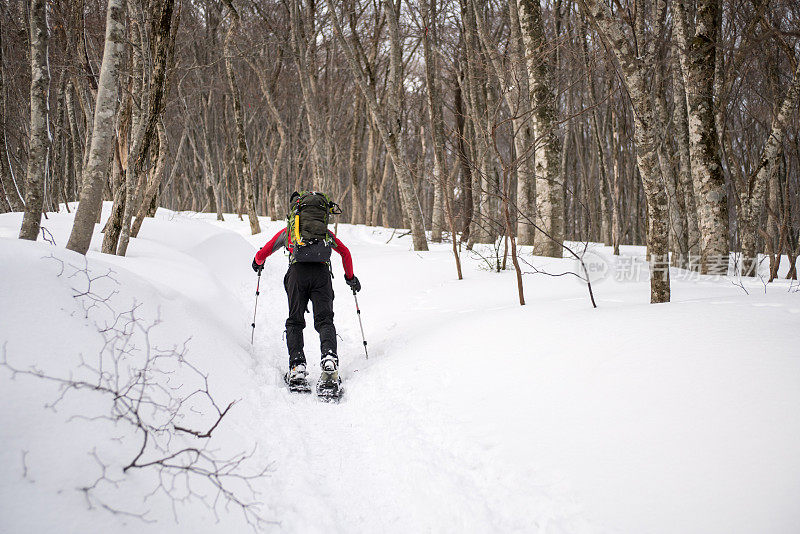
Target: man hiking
{"type": "Point", "coordinates": [309, 243]}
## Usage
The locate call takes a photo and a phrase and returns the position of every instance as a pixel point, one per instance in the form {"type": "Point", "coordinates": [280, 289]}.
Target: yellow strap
{"type": "Point", "coordinates": [297, 238]}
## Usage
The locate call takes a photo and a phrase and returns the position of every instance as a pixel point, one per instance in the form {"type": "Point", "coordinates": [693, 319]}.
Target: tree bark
{"type": "Point", "coordinates": [478, 232]}
{"type": "Point", "coordinates": [241, 147]}
{"type": "Point", "coordinates": [752, 196]}
{"type": "Point", "coordinates": [526, 174]}
{"type": "Point", "coordinates": [156, 177]}
{"type": "Point", "coordinates": [155, 108]}
{"type": "Point", "coordinates": [12, 193]}
{"type": "Point", "coordinates": [616, 190]}
{"type": "Point", "coordinates": [355, 162]}
{"type": "Point", "coordinates": [208, 165]}
{"type": "Point", "coordinates": [677, 212]}
{"type": "Point", "coordinates": [698, 60]}
{"type": "Point", "coordinates": [435, 116]}
{"type": "Point", "coordinates": [39, 144]}
{"type": "Point", "coordinates": [547, 153]}
{"type": "Point", "coordinates": [464, 156]}
{"type": "Point", "coordinates": [515, 91]}
{"type": "Point", "coordinates": [388, 122]}
{"type": "Point", "coordinates": [95, 172]}
{"type": "Point", "coordinates": [681, 129]}
{"type": "Point", "coordinates": [129, 140]}
{"type": "Point", "coordinates": [113, 225]}
{"type": "Point", "coordinates": [634, 74]}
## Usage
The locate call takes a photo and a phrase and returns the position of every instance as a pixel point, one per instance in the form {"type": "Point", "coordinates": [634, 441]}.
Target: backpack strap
{"type": "Point", "coordinates": [297, 239]}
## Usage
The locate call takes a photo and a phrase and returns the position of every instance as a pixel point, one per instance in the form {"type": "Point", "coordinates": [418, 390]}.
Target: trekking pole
{"type": "Point", "coordinates": [253, 334]}
{"type": "Point", "coordinates": [358, 312]}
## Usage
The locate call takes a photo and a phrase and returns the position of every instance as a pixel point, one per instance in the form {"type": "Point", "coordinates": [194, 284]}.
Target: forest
{"type": "Point", "coordinates": [672, 124]}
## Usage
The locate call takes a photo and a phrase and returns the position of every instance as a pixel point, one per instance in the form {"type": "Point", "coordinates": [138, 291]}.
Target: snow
{"type": "Point", "coordinates": [471, 414]}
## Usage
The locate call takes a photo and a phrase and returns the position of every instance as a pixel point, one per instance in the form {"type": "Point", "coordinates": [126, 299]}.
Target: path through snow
{"type": "Point", "coordinates": [472, 413]}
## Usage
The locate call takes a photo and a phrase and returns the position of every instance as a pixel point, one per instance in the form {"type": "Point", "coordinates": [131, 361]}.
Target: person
{"type": "Point", "coordinates": [309, 278]}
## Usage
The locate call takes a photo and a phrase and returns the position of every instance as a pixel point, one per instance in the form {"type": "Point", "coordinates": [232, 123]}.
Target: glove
{"type": "Point", "coordinates": [354, 284]}
{"type": "Point", "coordinates": [256, 267]}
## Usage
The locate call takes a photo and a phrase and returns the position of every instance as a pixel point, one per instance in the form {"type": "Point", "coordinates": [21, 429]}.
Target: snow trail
{"type": "Point", "coordinates": [472, 413]}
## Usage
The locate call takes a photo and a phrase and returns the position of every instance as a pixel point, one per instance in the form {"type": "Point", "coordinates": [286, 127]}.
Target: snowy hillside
{"type": "Point", "coordinates": [472, 414]}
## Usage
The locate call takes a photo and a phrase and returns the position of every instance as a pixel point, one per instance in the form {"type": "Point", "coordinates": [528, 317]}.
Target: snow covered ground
{"type": "Point", "coordinates": [472, 414]}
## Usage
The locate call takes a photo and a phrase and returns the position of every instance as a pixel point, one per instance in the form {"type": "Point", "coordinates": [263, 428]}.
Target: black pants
{"type": "Point", "coordinates": [304, 282]}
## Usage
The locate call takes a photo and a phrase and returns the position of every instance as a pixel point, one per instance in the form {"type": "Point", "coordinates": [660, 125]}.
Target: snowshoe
{"type": "Point", "coordinates": [329, 385]}
{"type": "Point", "coordinates": [296, 379]}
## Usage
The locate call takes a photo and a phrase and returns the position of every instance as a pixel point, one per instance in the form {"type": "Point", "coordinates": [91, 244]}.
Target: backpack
{"type": "Point", "coordinates": [307, 226]}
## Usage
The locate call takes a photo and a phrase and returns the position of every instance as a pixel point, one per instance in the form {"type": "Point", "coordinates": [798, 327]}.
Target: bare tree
{"type": "Point", "coordinates": [697, 55]}
{"type": "Point", "coordinates": [157, 88]}
{"type": "Point", "coordinates": [440, 176]}
{"type": "Point", "coordinates": [241, 143]}
{"type": "Point", "coordinates": [547, 154]}
{"type": "Point", "coordinates": [39, 145]}
{"type": "Point", "coordinates": [94, 173]}
{"type": "Point", "coordinates": [635, 74]}
{"type": "Point", "coordinates": [430, 47]}
{"type": "Point", "coordinates": [387, 120]}
{"type": "Point", "coordinates": [752, 195]}
{"type": "Point", "coordinates": [11, 195]}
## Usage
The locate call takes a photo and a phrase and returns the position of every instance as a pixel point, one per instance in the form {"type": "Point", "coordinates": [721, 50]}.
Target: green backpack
{"type": "Point", "coordinates": [307, 226]}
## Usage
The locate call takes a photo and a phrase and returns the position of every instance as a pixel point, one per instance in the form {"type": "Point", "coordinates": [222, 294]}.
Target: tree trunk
{"type": "Point", "coordinates": [155, 108]}
{"type": "Point", "coordinates": [698, 61]}
{"type": "Point", "coordinates": [464, 156]}
{"type": "Point", "coordinates": [515, 91]}
{"type": "Point", "coordinates": [677, 212]}
{"type": "Point", "coordinates": [616, 190]}
{"type": "Point", "coordinates": [356, 162]}
{"type": "Point", "coordinates": [478, 232]}
{"type": "Point", "coordinates": [39, 144]}
{"type": "Point", "coordinates": [129, 142]}
{"type": "Point", "coordinates": [388, 122]}
{"type": "Point", "coordinates": [113, 225]}
{"type": "Point", "coordinates": [371, 164]}
{"type": "Point", "coordinates": [606, 223]}
{"type": "Point", "coordinates": [752, 196]}
{"type": "Point", "coordinates": [11, 192]}
{"type": "Point", "coordinates": [547, 154]}
{"type": "Point", "coordinates": [681, 129]}
{"type": "Point", "coordinates": [526, 174]}
{"type": "Point", "coordinates": [634, 74]}
{"type": "Point", "coordinates": [435, 115]}
{"type": "Point", "coordinates": [241, 147]}
{"type": "Point", "coordinates": [156, 178]}
{"type": "Point", "coordinates": [96, 170]}
{"type": "Point", "coordinates": [128, 131]}
{"type": "Point", "coordinates": [208, 164]}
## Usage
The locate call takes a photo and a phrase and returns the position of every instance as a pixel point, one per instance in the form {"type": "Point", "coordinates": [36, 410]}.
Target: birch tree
{"type": "Point", "coordinates": [241, 143]}
{"type": "Point", "coordinates": [547, 152]}
{"type": "Point", "coordinates": [697, 55]}
{"type": "Point", "coordinates": [161, 35]}
{"type": "Point", "coordinates": [11, 193]}
{"type": "Point", "coordinates": [440, 177]}
{"type": "Point", "coordinates": [388, 120]}
{"type": "Point", "coordinates": [752, 194]}
{"type": "Point", "coordinates": [39, 144]}
{"type": "Point", "coordinates": [635, 73]}
{"type": "Point", "coordinates": [96, 169]}
{"type": "Point", "coordinates": [430, 49]}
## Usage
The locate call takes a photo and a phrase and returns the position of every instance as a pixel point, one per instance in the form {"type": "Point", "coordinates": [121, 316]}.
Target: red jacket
{"type": "Point", "coordinates": [281, 240]}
